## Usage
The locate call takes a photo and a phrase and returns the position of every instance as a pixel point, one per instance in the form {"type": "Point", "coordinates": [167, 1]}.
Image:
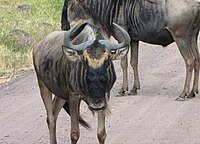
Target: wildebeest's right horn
{"type": "Point", "coordinates": [71, 34]}
{"type": "Point", "coordinates": [124, 36]}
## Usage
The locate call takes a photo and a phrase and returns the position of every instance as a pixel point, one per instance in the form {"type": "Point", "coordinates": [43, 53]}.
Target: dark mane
{"type": "Point", "coordinates": [103, 13]}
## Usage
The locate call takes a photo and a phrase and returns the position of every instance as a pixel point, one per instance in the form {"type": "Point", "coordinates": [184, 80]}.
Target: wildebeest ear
{"type": "Point", "coordinates": [118, 54]}
{"type": "Point", "coordinates": [71, 54]}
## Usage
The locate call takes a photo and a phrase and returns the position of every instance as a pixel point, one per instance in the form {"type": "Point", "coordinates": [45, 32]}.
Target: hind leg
{"type": "Point", "coordinates": [58, 103]}
{"type": "Point", "coordinates": [124, 65]}
{"type": "Point", "coordinates": [195, 51]}
{"type": "Point", "coordinates": [184, 47]}
{"type": "Point", "coordinates": [47, 100]}
{"type": "Point", "coordinates": [196, 80]}
{"type": "Point", "coordinates": [134, 64]}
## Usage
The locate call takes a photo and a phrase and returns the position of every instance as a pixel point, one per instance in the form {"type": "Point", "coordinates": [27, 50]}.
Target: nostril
{"type": "Point", "coordinates": [97, 101]}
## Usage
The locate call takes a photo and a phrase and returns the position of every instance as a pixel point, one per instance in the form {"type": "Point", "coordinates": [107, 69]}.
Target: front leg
{"type": "Point", "coordinates": [134, 64]}
{"type": "Point", "coordinates": [74, 113]}
{"type": "Point", "coordinates": [101, 131]}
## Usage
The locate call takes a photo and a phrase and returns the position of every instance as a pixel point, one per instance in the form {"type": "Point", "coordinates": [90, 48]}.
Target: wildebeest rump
{"type": "Point", "coordinates": [77, 70]}
{"type": "Point", "coordinates": [153, 21]}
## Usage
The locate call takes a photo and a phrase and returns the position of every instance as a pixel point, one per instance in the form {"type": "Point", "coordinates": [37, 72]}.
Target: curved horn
{"type": "Point", "coordinates": [72, 33]}
{"type": "Point", "coordinates": [125, 37]}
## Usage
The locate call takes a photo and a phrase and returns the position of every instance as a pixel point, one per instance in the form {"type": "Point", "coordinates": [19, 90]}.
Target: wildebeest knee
{"type": "Point", "coordinates": [190, 63]}
{"type": "Point", "coordinates": [133, 63]}
{"type": "Point", "coordinates": [50, 121]}
{"type": "Point", "coordinates": [75, 136]}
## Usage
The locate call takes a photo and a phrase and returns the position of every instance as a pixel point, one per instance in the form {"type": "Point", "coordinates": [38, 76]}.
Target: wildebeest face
{"type": "Point", "coordinates": [95, 56]}
{"type": "Point", "coordinates": [97, 68]}
{"type": "Point", "coordinates": [97, 64]}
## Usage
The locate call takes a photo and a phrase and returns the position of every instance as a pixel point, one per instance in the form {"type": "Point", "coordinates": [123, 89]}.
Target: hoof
{"type": "Point", "coordinates": [121, 94]}
{"type": "Point", "coordinates": [191, 95]}
{"type": "Point", "coordinates": [180, 99]}
{"type": "Point", "coordinates": [132, 93]}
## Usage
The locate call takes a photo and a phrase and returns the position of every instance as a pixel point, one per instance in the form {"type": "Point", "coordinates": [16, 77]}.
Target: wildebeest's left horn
{"type": "Point", "coordinates": [124, 36]}
{"type": "Point", "coordinates": [72, 33]}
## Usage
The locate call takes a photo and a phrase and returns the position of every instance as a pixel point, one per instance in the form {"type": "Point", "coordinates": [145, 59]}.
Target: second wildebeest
{"type": "Point", "coordinates": [153, 21]}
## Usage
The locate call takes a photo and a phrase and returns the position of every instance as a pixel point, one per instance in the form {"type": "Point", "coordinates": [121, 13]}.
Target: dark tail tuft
{"type": "Point", "coordinates": [81, 120]}
{"type": "Point", "coordinates": [84, 123]}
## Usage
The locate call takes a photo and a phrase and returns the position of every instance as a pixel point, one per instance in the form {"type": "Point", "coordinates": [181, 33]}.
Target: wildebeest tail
{"type": "Point", "coordinates": [81, 120]}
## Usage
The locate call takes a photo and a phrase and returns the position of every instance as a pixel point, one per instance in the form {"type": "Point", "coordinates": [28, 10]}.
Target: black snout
{"type": "Point", "coordinates": [97, 101]}
{"type": "Point", "coordinates": [97, 104]}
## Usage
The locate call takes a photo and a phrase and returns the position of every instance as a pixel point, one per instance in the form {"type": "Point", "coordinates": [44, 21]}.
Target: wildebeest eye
{"type": "Point", "coordinates": [113, 51]}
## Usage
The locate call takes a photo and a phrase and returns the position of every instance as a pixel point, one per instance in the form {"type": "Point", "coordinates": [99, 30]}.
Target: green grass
{"type": "Point", "coordinates": [43, 18]}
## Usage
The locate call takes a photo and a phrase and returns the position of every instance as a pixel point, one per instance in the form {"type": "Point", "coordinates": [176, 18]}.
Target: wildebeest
{"type": "Point", "coordinates": [77, 65]}
{"type": "Point", "coordinates": [153, 21]}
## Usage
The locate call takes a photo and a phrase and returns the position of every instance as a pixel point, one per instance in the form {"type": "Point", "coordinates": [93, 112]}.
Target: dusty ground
{"type": "Point", "coordinates": [151, 117]}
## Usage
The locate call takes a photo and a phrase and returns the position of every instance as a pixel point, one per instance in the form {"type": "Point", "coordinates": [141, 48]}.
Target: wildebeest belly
{"type": "Point", "coordinates": [163, 37]}
{"type": "Point", "coordinates": [147, 22]}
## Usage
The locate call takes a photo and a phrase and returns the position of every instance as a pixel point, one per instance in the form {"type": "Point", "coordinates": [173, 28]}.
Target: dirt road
{"type": "Point", "coordinates": [151, 117]}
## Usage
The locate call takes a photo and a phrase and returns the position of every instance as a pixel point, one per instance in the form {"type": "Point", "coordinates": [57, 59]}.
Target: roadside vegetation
{"type": "Point", "coordinates": [22, 24]}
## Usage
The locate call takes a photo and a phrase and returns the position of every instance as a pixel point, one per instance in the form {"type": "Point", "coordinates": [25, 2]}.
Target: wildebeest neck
{"type": "Point", "coordinates": [101, 12]}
